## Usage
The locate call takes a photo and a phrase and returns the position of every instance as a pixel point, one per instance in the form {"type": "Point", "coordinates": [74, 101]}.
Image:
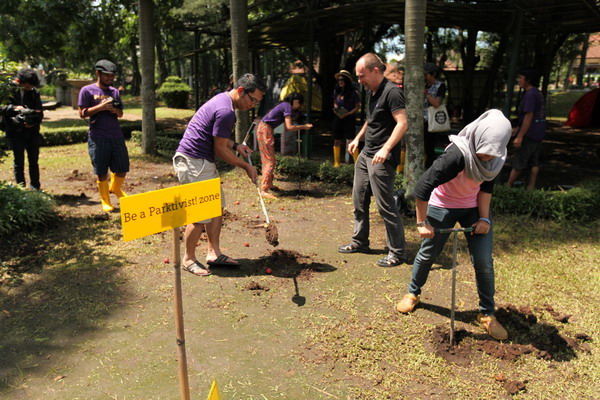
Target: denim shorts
{"type": "Point", "coordinates": [528, 155]}
{"type": "Point", "coordinates": [191, 170]}
{"type": "Point", "coordinates": [108, 153]}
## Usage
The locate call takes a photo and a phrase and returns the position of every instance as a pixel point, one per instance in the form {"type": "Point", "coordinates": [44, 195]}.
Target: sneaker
{"type": "Point", "coordinates": [353, 248]}
{"type": "Point", "coordinates": [408, 303]}
{"type": "Point", "coordinates": [492, 326]}
{"type": "Point", "coordinates": [390, 260]}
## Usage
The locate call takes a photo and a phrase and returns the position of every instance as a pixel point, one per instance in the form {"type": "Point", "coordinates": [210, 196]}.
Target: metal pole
{"type": "Point", "coordinates": [454, 250]}
{"type": "Point", "coordinates": [184, 384]}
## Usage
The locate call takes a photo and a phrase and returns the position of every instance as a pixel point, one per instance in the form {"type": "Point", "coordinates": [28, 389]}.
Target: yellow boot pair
{"type": "Point", "coordinates": [105, 190]}
{"type": "Point", "coordinates": [337, 152]}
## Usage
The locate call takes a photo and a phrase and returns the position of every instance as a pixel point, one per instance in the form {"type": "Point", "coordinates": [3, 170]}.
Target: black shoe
{"type": "Point", "coordinates": [391, 260]}
{"type": "Point", "coordinates": [353, 248]}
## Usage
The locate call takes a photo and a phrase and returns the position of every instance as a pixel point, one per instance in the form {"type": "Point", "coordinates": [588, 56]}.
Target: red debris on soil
{"type": "Point", "coordinates": [564, 318]}
{"type": "Point", "coordinates": [289, 264]}
{"type": "Point", "coordinates": [526, 336]}
{"type": "Point", "coordinates": [514, 387]}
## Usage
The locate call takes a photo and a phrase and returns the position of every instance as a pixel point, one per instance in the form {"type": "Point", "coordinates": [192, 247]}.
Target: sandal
{"type": "Point", "coordinates": [223, 261]}
{"type": "Point", "coordinates": [197, 269]}
{"type": "Point", "coordinates": [391, 260]}
{"type": "Point", "coordinates": [353, 248]}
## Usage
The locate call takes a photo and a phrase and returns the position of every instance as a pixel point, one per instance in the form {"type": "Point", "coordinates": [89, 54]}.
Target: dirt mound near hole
{"type": "Point", "coordinates": [527, 335]}
{"type": "Point", "coordinates": [290, 264]}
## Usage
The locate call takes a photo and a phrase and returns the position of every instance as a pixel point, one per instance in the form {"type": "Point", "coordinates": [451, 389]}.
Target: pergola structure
{"type": "Point", "coordinates": [290, 29]}
{"type": "Point", "coordinates": [305, 24]}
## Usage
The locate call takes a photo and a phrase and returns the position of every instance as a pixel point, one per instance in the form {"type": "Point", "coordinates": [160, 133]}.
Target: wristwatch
{"type": "Point", "coordinates": [422, 224]}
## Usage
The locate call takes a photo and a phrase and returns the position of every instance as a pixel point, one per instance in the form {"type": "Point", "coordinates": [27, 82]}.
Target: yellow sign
{"type": "Point", "coordinates": [214, 392]}
{"type": "Point", "coordinates": [147, 213]}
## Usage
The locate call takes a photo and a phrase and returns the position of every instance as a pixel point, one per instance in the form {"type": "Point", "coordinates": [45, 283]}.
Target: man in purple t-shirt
{"type": "Point", "coordinates": [208, 135]}
{"type": "Point", "coordinates": [101, 103]}
{"type": "Point", "coordinates": [530, 130]}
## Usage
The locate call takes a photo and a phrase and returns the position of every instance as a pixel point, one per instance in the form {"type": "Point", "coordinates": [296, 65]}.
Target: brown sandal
{"type": "Point", "coordinates": [197, 269]}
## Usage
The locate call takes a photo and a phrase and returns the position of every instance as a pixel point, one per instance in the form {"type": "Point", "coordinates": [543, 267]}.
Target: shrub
{"type": "Point", "coordinates": [72, 134]}
{"type": "Point", "coordinates": [571, 205]}
{"type": "Point", "coordinates": [23, 209]}
{"type": "Point", "coordinates": [48, 90]}
{"type": "Point", "coordinates": [174, 92]}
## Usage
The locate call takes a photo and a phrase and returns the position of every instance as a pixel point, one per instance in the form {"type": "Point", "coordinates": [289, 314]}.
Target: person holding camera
{"type": "Point", "coordinates": [22, 118]}
{"type": "Point", "coordinates": [101, 103]}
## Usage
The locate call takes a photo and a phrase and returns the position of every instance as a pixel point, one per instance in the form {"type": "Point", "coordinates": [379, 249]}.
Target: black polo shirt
{"type": "Point", "coordinates": [380, 121]}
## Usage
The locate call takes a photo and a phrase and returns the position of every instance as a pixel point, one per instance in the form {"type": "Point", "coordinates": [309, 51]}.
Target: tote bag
{"type": "Point", "coordinates": [438, 119]}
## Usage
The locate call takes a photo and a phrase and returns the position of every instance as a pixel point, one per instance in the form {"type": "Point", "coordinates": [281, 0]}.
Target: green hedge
{"type": "Point", "coordinates": [73, 134]}
{"type": "Point", "coordinates": [577, 204]}
{"type": "Point", "coordinates": [22, 209]}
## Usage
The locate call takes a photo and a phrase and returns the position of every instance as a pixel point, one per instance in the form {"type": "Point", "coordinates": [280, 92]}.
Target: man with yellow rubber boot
{"type": "Point", "coordinates": [101, 103]}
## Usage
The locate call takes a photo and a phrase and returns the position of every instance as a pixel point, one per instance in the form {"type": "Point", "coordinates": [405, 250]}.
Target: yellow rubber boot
{"type": "Point", "coordinates": [400, 167]}
{"type": "Point", "coordinates": [105, 196]}
{"type": "Point", "coordinates": [115, 186]}
{"type": "Point", "coordinates": [336, 156]}
{"type": "Point", "coordinates": [355, 155]}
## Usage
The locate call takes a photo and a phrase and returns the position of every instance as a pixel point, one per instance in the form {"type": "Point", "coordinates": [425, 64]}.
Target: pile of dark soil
{"type": "Point", "coordinates": [290, 264]}
{"type": "Point", "coordinates": [526, 336]}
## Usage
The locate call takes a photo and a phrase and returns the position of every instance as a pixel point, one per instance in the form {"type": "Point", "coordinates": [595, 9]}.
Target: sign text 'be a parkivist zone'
{"type": "Point", "coordinates": [152, 212]}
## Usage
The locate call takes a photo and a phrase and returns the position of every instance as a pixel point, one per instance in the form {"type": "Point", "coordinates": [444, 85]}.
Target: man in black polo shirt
{"type": "Point", "coordinates": [375, 169]}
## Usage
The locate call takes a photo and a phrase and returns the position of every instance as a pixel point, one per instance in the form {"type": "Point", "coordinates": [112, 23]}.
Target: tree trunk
{"type": "Point", "coordinates": [148, 95]}
{"type": "Point", "coordinates": [584, 49]}
{"type": "Point", "coordinates": [135, 67]}
{"type": "Point", "coordinates": [469, 62]}
{"type": "Point", "coordinates": [163, 67]}
{"type": "Point", "coordinates": [239, 57]}
{"type": "Point", "coordinates": [414, 22]}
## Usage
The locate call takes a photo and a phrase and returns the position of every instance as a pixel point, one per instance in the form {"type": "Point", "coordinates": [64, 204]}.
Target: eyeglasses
{"type": "Point", "coordinates": [253, 99]}
{"type": "Point", "coordinates": [341, 80]}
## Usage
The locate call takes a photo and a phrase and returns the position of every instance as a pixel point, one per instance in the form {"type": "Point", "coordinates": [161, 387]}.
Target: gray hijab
{"type": "Point", "coordinates": [488, 134]}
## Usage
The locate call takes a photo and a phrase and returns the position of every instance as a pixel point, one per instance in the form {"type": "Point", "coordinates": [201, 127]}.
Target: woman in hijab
{"type": "Point", "coordinates": [458, 188]}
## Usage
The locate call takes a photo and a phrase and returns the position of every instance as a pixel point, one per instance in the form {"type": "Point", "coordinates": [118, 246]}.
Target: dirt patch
{"type": "Point", "coordinates": [290, 264]}
{"type": "Point", "coordinates": [256, 287]}
{"type": "Point", "coordinates": [526, 333]}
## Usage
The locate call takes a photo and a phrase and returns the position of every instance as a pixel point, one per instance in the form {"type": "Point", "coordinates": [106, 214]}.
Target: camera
{"type": "Point", "coordinates": [18, 118]}
{"type": "Point", "coordinates": [116, 103]}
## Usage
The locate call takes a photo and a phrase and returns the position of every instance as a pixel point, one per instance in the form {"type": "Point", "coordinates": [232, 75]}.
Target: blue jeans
{"type": "Point", "coordinates": [480, 248]}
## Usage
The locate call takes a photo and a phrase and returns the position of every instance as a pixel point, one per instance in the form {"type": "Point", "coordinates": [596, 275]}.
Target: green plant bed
{"type": "Point", "coordinates": [58, 136]}
{"type": "Point", "coordinates": [576, 204]}
{"type": "Point", "coordinates": [22, 209]}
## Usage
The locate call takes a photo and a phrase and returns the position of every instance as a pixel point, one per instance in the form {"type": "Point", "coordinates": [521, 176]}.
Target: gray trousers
{"type": "Point", "coordinates": [376, 180]}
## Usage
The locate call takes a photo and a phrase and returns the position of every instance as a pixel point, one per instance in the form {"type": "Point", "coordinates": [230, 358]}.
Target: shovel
{"type": "Point", "coordinates": [455, 249]}
{"type": "Point", "coordinates": [272, 235]}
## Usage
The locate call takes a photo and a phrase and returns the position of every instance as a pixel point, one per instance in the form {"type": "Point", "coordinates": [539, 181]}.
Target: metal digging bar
{"type": "Point", "coordinates": [454, 251]}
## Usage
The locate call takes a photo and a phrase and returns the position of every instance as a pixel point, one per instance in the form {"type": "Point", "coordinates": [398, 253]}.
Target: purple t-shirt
{"type": "Point", "coordinates": [103, 124]}
{"type": "Point", "coordinates": [533, 101]}
{"type": "Point", "coordinates": [277, 115]}
{"type": "Point", "coordinates": [215, 118]}
{"type": "Point", "coordinates": [348, 101]}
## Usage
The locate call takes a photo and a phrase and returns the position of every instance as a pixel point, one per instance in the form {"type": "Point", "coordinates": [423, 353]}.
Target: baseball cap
{"type": "Point", "coordinates": [106, 67]}
{"type": "Point", "coordinates": [27, 75]}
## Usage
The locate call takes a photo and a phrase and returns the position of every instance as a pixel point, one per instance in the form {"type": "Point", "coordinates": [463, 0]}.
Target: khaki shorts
{"type": "Point", "coordinates": [190, 170]}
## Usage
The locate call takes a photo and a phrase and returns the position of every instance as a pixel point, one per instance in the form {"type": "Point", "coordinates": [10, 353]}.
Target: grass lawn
{"type": "Point", "coordinates": [84, 315]}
